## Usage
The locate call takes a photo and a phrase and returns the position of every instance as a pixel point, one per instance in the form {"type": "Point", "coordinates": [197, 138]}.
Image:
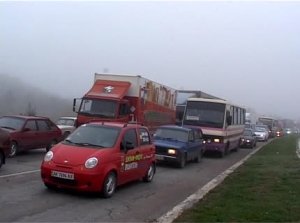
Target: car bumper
{"type": "Point", "coordinates": [247, 144]}
{"type": "Point", "coordinates": [167, 158]}
{"type": "Point", "coordinates": [83, 180]}
{"type": "Point", "coordinates": [215, 147]}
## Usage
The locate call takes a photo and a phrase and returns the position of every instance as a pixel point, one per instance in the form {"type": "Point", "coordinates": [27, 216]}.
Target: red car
{"type": "Point", "coordinates": [19, 133]}
{"type": "Point", "coordinates": [97, 157]}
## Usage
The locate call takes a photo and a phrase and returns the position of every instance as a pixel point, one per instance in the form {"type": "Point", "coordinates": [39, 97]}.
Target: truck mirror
{"type": "Point", "coordinates": [75, 105]}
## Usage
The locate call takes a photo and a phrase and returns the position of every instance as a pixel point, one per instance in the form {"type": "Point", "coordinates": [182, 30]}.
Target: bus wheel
{"type": "Point", "coordinates": [222, 153]}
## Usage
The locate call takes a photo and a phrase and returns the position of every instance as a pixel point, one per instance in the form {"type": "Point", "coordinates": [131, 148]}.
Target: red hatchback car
{"type": "Point", "coordinates": [97, 157]}
{"type": "Point", "coordinates": [19, 133]}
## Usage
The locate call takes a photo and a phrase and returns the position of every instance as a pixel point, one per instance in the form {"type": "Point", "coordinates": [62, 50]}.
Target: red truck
{"type": "Point", "coordinates": [126, 98]}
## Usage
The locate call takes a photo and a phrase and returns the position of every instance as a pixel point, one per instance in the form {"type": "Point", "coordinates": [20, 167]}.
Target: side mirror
{"type": "Point", "coordinates": [125, 146]}
{"type": "Point", "coordinates": [74, 104]}
{"type": "Point", "coordinates": [129, 145]}
{"type": "Point", "coordinates": [26, 129]}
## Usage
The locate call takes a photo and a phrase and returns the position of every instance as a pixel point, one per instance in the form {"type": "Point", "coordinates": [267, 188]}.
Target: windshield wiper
{"type": "Point", "coordinates": [69, 141]}
{"type": "Point", "coordinates": [87, 144]}
{"type": "Point", "coordinates": [7, 127]}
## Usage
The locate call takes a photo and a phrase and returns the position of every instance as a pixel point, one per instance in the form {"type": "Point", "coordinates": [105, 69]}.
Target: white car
{"type": "Point", "coordinates": [261, 134]}
{"type": "Point", "coordinates": [66, 125]}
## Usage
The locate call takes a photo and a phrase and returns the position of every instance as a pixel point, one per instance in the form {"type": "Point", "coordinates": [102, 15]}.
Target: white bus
{"type": "Point", "coordinates": [221, 122]}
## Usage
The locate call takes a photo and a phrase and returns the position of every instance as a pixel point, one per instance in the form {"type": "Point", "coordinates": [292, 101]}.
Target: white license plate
{"type": "Point", "coordinates": [159, 157]}
{"type": "Point", "coordinates": [63, 175]}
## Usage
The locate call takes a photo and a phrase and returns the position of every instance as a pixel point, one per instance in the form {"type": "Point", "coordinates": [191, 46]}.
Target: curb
{"type": "Point", "coordinates": [171, 215]}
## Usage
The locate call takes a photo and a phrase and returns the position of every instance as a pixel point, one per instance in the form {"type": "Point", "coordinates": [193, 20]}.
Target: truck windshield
{"type": "Point", "coordinates": [205, 114]}
{"type": "Point", "coordinates": [98, 107]}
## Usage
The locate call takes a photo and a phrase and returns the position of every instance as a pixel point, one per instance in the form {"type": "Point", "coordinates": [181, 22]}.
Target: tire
{"type": "Point", "coordinates": [182, 161]}
{"type": "Point", "coordinates": [13, 149]}
{"type": "Point", "coordinates": [50, 187]}
{"type": "Point", "coordinates": [109, 185]}
{"type": "Point", "coordinates": [150, 173]}
{"type": "Point", "coordinates": [1, 159]}
{"type": "Point", "coordinates": [52, 143]}
{"type": "Point", "coordinates": [222, 153]}
{"type": "Point", "coordinates": [199, 157]}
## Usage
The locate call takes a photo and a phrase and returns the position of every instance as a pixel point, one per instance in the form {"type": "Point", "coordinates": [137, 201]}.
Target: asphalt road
{"type": "Point", "coordinates": [24, 198]}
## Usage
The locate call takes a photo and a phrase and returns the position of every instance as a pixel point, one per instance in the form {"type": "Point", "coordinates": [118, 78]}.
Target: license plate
{"type": "Point", "coordinates": [63, 175]}
{"type": "Point", "coordinates": [159, 157]}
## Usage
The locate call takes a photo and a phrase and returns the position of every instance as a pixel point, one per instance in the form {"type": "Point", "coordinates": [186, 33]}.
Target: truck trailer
{"type": "Point", "coordinates": [126, 98]}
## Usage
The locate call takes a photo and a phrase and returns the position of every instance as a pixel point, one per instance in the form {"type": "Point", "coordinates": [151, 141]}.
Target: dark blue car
{"type": "Point", "coordinates": [178, 144]}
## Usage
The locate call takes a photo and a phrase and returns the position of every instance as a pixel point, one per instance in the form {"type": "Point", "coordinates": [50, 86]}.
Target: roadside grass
{"type": "Point", "coordinates": [266, 188]}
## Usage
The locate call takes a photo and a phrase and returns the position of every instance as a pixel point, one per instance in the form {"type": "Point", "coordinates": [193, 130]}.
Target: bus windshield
{"type": "Point", "coordinates": [206, 114]}
{"type": "Point", "coordinates": [99, 108]}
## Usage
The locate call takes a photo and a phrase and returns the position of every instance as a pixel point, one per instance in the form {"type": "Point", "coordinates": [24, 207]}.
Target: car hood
{"type": "Point", "coordinates": [65, 126]}
{"type": "Point", "coordinates": [74, 155]}
{"type": "Point", "coordinates": [170, 143]}
{"type": "Point", "coordinates": [5, 131]}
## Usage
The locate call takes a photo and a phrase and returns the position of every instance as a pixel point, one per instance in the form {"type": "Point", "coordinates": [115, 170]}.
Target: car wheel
{"type": "Point", "coordinates": [199, 157]}
{"type": "Point", "coordinates": [1, 159]}
{"type": "Point", "coordinates": [13, 149]}
{"type": "Point", "coordinates": [150, 173]}
{"type": "Point", "coordinates": [182, 161]}
{"type": "Point", "coordinates": [52, 143]}
{"type": "Point", "coordinates": [50, 187]}
{"type": "Point", "coordinates": [109, 185]}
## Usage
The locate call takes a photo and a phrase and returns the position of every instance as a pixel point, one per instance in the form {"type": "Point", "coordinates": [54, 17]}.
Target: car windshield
{"type": "Point", "coordinates": [65, 121]}
{"type": "Point", "coordinates": [263, 126]}
{"type": "Point", "coordinates": [258, 129]}
{"type": "Point", "coordinates": [248, 133]}
{"type": "Point", "coordinates": [12, 123]}
{"type": "Point", "coordinates": [94, 136]}
{"type": "Point", "coordinates": [173, 134]}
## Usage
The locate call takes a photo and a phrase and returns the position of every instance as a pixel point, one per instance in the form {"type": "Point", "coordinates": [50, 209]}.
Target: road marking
{"type": "Point", "coordinates": [21, 173]}
{"type": "Point", "coordinates": [170, 216]}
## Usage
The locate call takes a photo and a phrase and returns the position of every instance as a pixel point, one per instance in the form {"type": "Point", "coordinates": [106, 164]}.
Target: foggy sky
{"type": "Point", "coordinates": [245, 52]}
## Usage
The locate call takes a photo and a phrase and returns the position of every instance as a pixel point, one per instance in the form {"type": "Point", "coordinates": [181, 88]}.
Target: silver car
{"type": "Point", "coordinates": [261, 134]}
{"type": "Point", "coordinates": [66, 125]}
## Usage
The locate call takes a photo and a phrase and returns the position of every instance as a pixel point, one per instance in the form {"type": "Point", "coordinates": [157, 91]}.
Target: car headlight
{"type": "Point", "coordinates": [91, 163]}
{"type": "Point", "coordinates": [243, 140]}
{"type": "Point", "coordinates": [172, 151]}
{"type": "Point", "coordinates": [48, 156]}
{"type": "Point", "coordinates": [216, 140]}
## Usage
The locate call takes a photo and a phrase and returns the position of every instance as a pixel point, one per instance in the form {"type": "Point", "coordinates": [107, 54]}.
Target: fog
{"type": "Point", "coordinates": [245, 52]}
